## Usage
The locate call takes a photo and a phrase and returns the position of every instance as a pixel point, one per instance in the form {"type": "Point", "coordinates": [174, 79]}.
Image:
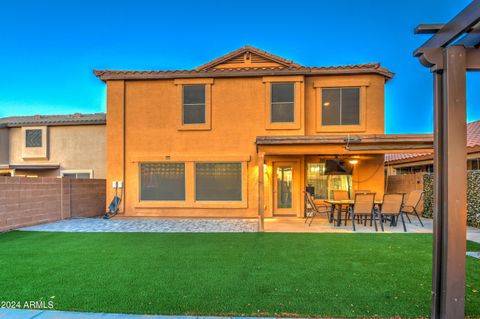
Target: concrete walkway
{"type": "Point", "coordinates": [50, 314]}
{"type": "Point", "coordinates": [150, 225]}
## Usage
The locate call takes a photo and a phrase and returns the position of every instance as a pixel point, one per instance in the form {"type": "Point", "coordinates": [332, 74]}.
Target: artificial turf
{"type": "Point", "coordinates": [251, 274]}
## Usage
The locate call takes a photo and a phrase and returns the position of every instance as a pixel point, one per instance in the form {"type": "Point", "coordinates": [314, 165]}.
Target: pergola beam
{"type": "Point", "coordinates": [431, 28]}
{"type": "Point", "coordinates": [460, 24]}
{"type": "Point", "coordinates": [472, 39]}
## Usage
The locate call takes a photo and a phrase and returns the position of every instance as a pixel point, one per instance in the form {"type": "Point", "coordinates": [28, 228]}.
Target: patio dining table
{"type": "Point", "coordinates": [338, 204]}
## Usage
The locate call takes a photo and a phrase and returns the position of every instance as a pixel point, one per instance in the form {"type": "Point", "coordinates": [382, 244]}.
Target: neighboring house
{"type": "Point", "coordinates": [409, 163]}
{"type": "Point", "coordinates": [195, 142]}
{"type": "Point", "coordinates": [53, 145]}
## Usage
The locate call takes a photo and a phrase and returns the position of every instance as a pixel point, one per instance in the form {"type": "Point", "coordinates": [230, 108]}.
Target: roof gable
{"type": "Point", "coordinates": [248, 57]}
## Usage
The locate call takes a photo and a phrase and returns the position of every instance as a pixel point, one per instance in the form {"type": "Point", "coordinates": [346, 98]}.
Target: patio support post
{"type": "Point", "coordinates": [261, 189]}
{"type": "Point", "coordinates": [450, 193]}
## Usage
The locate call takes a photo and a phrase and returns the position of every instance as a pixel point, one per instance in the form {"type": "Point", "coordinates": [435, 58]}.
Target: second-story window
{"type": "Point", "coordinates": [33, 138]}
{"type": "Point", "coordinates": [194, 104]}
{"type": "Point", "coordinates": [282, 103]}
{"type": "Point", "coordinates": [341, 106]}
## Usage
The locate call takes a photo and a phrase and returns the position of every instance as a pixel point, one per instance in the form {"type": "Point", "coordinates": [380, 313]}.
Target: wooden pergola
{"type": "Point", "coordinates": [450, 53]}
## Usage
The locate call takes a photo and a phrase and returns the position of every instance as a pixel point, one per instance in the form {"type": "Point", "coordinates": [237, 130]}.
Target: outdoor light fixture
{"type": "Point", "coordinates": [353, 161]}
{"type": "Point", "coordinates": [326, 104]}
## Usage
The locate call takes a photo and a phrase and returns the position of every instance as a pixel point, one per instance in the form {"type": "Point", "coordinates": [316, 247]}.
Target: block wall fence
{"type": "Point", "coordinates": [30, 201]}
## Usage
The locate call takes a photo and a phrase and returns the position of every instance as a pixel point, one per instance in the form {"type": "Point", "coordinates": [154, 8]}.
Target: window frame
{"type": "Point", "coordinates": [166, 201]}
{"type": "Point", "coordinates": [190, 201]}
{"type": "Point", "coordinates": [35, 152]}
{"type": "Point", "coordinates": [298, 112]}
{"type": "Point", "coordinates": [77, 171]}
{"type": "Point", "coordinates": [273, 103]}
{"type": "Point", "coordinates": [340, 90]}
{"type": "Point", "coordinates": [26, 137]}
{"type": "Point", "coordinates": [180, 83]}
{"type": "Point", "coordinates": [319, 85]}
{"type": "Point", "coordinates": [218, 201]}
{"type": "Point", "coordinates": [204, 104]}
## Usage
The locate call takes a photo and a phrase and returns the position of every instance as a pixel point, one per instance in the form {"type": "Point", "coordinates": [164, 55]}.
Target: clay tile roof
{"type": "Point", "coordinates": [54, 120]}
{"type": "Point", "coordinates": [473, 140]}
{"type": "Point", "coordinates": [287, 67]}
{"type": "Point", "coordinates": [473, 134]}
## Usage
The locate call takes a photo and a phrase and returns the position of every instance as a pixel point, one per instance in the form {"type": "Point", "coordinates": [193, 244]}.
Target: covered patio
{"type": "Point", "coordinates": [289, 165]}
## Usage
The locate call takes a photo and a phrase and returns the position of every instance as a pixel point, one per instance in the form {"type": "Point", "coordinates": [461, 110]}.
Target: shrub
{"type": "Point", "coordinates": [473, 197]}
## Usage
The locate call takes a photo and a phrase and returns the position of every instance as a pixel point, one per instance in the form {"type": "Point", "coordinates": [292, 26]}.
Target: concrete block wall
{"type": "Point", "coordinates": [30, 201]}
{"type": "Point", "coordinates": [404, 183]}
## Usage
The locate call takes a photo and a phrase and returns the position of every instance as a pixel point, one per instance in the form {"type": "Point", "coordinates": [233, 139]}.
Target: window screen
{"type": "Point", "coordinates": [282, 102]}
{"type": "Point", "coordinates": [193, 104]}
{"type": "Point", "coordinates": [162, 181]}
{"type": "Point", "coordinates": [218, 181]}
{"type": "Point", "coordinates": [341, 106]}
{"type": "Point", "coordinates": [33, 138]}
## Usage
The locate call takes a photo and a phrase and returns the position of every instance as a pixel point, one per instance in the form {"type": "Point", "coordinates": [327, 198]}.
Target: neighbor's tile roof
{"type": "Point", "coordinates": [473, 140]}
{"type": "Point", "coordinates": [207, 70]}
{"type": "Point", "coordinates": [53, 120]}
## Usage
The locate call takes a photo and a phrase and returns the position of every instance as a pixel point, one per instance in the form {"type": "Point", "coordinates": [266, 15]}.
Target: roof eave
{"type": "Point", "coordinates": [111, 75]}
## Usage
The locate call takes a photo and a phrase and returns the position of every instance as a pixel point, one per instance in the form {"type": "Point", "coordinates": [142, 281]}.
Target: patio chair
{"type": "Point", "coordinates": [312, 209]}
{"type": "Point", "coordinates": [363, 206]}
{"type": "Point", "coordinates": [341, 195]}
{"type": "Point", "coordinates": [392, 207]}
{"type": "Point", "coordinates": [414, 205]}
{"type": "Point", "coordinates": [360, 191]}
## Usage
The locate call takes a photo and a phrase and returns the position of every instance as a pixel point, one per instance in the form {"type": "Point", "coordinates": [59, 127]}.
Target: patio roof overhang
{"type": "Point", "coordinates": [344, 144]}
{"type": "Point", "coordinates": [34, 166]}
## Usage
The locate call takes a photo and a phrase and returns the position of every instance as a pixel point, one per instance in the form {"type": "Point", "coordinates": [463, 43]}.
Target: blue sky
{"type": "Point", "coordinates": [48, 49]}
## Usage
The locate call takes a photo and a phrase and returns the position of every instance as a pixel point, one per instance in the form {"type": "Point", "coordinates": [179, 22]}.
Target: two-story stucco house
{"type": "Point", "coordinates": [71, 145]}
{"type": "Point", "coordinates": [245, 134]}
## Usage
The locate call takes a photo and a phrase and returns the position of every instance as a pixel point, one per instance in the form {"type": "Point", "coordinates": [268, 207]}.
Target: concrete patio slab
{"type": "Point", "coordinates": [321, 225]}
{"type": "Point", "coordinates": [151, 225]}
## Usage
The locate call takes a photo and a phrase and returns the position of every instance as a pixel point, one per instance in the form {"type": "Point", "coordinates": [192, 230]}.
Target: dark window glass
{"type": "Point", "coordinates": [331, 107]}
{"type": "Point", "coordinates": [350, 106]}
{"type": "Point", "coordinates": [282, 102]}
{"type": "Point", "coordinates": [218, 181]}
{"type": "Point", "coordinates": [341, 106]}
{"type": "Point", "coordinates": [193, 104]}
{"type": "Point", "coordinates": [33, 138]}
{"type": "Point", "coordinates": [162, 181]}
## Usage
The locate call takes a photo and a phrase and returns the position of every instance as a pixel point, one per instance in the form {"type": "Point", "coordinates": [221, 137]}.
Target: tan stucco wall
{"type": "Point", "coordinates": [152, 117]}
{"type": "Point", "coordinates": [73, 147]}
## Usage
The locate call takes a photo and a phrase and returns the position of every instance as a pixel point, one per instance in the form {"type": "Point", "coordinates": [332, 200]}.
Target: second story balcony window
{"type": "Point", "coordinates": [340, 106]}
{"type": "Point", "coordinates": [194, 104]}
{"type": "Point", "coordinates": [282, 103]}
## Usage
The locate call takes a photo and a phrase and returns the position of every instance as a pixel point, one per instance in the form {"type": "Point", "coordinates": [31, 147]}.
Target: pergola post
{"type": "Point", "coordinates": [261, 190]}
{"type": "Point", "coordinates": [450, 192]}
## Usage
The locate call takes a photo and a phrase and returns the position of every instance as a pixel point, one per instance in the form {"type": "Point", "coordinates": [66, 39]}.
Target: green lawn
{"type": "Point", "coordinates": [252, 274]}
